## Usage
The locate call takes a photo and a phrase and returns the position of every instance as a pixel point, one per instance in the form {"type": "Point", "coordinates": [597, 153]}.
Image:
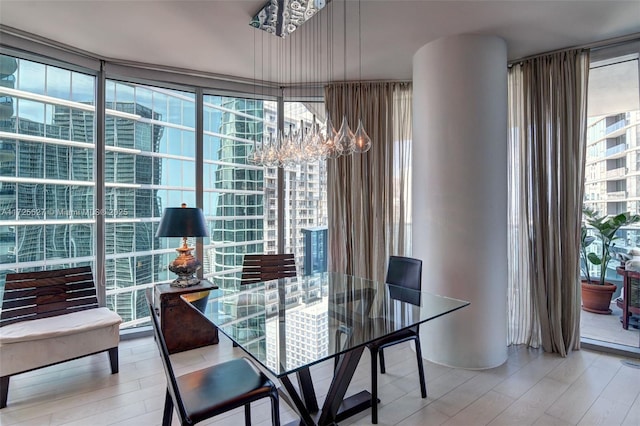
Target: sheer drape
{"type": "Point", "coordinates": [368, 193]}
{"type": "Point", "coordinates": [547, 131]}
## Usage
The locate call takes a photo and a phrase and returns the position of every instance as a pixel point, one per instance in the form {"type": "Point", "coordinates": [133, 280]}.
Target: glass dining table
{"type": "Point", "coordinates": [288, 325]}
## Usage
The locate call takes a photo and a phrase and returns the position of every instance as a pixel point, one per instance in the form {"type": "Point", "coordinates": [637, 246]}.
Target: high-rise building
{"type": "Point", "coordinates": [307, 326]}
{"type": "Point", "coordinates": [125, 203]}
{"type": "Point", "coordinates": [238, 188]}
{"type": "Point", "coordinates": [612, 172]}
{"type": "Point", "coordinates": [48, 180]}
{"type": "Point", "coordinates": [612, 182]}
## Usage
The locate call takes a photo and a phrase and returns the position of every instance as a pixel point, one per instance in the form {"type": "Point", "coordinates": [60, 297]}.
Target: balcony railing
{"type": "Point", "coordinates": [616, 149]}
{"type": "Point", "coordinates": [616, 173]}
{"type": "Point", "coordinates": [615, 126]}
{"type": "Point", "coordinates": [617, 195]}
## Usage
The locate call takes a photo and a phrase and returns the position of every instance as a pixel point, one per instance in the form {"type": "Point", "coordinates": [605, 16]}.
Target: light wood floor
{"type": "Point", "coordinates": [532, 387]}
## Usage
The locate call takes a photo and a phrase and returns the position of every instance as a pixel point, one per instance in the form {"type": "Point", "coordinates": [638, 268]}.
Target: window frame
{"type": "Point", "coordinates": [201, 84]}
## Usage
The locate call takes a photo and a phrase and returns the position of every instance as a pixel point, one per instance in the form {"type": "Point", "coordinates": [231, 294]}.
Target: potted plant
{"type": "Point", "coordinates": [596, 294]}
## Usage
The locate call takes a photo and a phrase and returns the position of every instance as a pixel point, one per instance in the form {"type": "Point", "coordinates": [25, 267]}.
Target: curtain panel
{"type": "Point", "coordinates": [368, 194]}
{"type": "Point", "coordinates": [547, 143]}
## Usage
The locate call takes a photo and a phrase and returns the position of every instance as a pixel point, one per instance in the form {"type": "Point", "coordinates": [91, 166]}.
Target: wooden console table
{"type": "Point", "coordinates": [182, 327]}
{"type": "Point", "coordinates": [629, 301]}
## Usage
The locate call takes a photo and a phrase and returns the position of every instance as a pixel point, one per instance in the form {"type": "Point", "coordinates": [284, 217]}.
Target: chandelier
{"type": "Point", "coordinates": [315, 142]}
{"type": "Point", "coordinates": [310, 144]}
{"type": "Point", "coordinates": [282, 17]}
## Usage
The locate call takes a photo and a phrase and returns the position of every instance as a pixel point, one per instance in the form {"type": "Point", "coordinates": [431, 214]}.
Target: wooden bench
{"type": "Point", "coordinates": [50, 317]}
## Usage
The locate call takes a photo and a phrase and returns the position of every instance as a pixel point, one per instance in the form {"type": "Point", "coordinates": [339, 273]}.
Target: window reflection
{"type": "Point", "coordinates": [46, 171]}
{"type": "Point", "coordinates": [47, 174]}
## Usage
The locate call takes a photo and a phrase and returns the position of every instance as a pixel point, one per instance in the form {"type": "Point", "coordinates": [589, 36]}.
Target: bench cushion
{"type": "Point", "coordinates": [24, 356]}
{"type": "Point", "coordinates": [60, 325]}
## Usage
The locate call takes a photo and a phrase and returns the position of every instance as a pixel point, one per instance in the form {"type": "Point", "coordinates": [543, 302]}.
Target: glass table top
{"type": "Point", "coordinates": [292, 323]}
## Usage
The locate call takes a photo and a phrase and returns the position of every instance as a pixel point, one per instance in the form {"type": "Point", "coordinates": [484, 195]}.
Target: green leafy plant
{"type": "Point", "coordinates": [605, 228]}
{"type": "Point", "coordinates": [585, 241]}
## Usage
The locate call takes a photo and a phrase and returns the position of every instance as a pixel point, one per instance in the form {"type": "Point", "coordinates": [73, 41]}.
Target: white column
{"type": "Point", "coordinates": [459, 195]}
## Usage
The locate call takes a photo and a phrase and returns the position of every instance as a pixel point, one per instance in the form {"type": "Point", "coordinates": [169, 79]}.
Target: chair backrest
{"type": "Point", "coordinates": [264, 267]}
{"type": "Point", "coordinates": [42, 294]}
{"type": "Point", "coordinates": [172, 384]}
{"type": "Point", "coordinates": [405, 272]}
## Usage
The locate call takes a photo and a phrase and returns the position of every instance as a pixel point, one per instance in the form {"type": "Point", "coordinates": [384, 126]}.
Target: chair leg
{"type": "Point", "coordinates": [337, 343]}
{"type": "Point", "coordinates": [275, 408]}
{"type": "Point", "coordinates": [247, 414]}
{"type": "Point", "coordinates": [113, 359]}
{"type": "Point", "coordinates": [423, 385]}
{"type": "Point", "coordinates": [168, 410]}
{"type": "Point", "coordinates": [4, 390]}
{"type": "Point", "coordinates": [382, 368]}
{"type": "Point", "coordinates": [374, 385]}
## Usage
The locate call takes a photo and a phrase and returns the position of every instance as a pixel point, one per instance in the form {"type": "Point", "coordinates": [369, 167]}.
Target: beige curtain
{"type": "Point", "coordinates": [547, 142]}
{"type": "Point", "coordinates": [368, 193]}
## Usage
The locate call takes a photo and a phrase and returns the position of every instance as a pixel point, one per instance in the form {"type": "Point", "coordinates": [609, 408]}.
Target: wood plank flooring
{"type": "Point", "coordinates": [531, 388]}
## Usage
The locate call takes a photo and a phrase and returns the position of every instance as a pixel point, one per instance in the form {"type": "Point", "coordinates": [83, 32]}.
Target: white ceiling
{"type": "Point", "coordinates": [214, 36]}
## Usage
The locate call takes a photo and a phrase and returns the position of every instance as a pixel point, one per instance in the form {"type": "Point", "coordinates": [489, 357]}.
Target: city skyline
{"type": "Point", "coordinates": [149, 164]}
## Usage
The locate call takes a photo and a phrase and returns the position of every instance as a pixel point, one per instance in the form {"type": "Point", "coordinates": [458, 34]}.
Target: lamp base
{"type": "Point", "coordinates": [185, 281]}
{"type": "Point", "coordinates": [185, 266]}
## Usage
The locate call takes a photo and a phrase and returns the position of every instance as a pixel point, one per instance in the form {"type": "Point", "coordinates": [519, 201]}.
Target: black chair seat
{"type": "Point", "coordinates": [222, 387]}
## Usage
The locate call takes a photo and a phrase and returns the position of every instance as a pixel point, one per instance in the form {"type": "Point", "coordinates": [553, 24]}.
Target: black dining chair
{"type": "Point", "coordinates": [205, 393]}
{"type": "Point", "coordinates": [403, 272]}
{"type": "Point", "coordinates": [257, 268]}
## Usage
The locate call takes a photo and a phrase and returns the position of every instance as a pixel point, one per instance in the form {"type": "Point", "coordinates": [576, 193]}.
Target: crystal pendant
{"type": "Point", "coordinates": [362, 140]}
{"type": "Point", "coordinates": [315, 144]}
{"type": "Point", "coordinates": [331, 147]}
{"type": "Point", "coordinates": [345, 137]}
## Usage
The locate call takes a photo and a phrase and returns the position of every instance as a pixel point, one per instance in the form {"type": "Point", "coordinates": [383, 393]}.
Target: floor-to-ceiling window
{"type": "Point", "coordinates": [47, 176]}
{"type": "Point", "coordinates": [612, 172]}
{"type": "Point", "coordinates": [149, 164]}
{"type": "Point", "coordinates": [240, 197]}
{"type": "Point", "coordinates": [305, 198]}
{"type": "Point", "coordinates": [233, 188]}
{"type": "Point", "coordinates": [49, 179]}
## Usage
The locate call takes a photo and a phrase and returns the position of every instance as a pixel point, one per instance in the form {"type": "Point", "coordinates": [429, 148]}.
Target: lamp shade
{"type": "Point", "coordinates": [182, 222]}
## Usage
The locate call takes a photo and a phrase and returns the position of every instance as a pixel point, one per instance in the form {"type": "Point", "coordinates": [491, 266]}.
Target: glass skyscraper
{"type": "Point", "coordinates": [48, 180]}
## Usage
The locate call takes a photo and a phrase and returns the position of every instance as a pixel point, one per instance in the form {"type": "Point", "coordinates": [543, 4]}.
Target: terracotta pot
{"type": "Point", "coordinates": [596, 298]}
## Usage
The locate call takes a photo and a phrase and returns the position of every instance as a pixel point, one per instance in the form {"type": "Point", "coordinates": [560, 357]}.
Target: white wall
{"type": "Point", "coordinates": [459, 194]}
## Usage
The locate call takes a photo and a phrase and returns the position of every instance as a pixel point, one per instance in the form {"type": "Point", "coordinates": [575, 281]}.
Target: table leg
{"type": "Point", "coordinates": [306, 388]}
{"type": "Point", "coordinates": [294, 400]}
{"type": "Point", "coordinates": [335, 407]}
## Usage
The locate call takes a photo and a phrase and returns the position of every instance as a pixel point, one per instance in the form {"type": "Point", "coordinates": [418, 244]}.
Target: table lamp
{"type": "Point", "coordinates": [183, 222]}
